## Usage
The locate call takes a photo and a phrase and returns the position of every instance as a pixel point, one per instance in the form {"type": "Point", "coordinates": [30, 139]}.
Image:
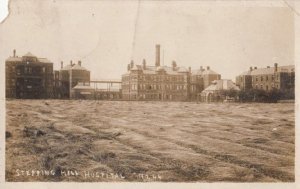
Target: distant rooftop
{"type": "Point", "coordinates": [269, 70]}
{"type": "Point", "coordinates": [15, 58]}
{"type": "Point", "coordinates": [73, 67]}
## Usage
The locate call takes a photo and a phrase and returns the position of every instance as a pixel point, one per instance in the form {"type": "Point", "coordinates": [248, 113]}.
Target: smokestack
{"type": "Point", "coordinates": [251, 68]}
{"type": "Point", "coordinates": [14, 52]}
{"type": "Point", "coordinates": [276, 67]}
{"type": "Point", "coordinates": [131, 64]}
{"type": "Point", "coordinates": [157, 60]}
{"type": "Point", "coordinates": [174, 65]}
{"type": "Point", "coordinates": [79, 62]}
{"type": "Point", "coordinates": [71, 63]}
{"type": "Point", "coordinates": [201, 68]}
{"type": "Point", "coordinates": [207, 67]}
{"type": "Point", "coordinates": [190, 69]}
{"type": "Point", "coordinates": [61, 64]}
{"type": "Point", "coordinates": [144, 64]}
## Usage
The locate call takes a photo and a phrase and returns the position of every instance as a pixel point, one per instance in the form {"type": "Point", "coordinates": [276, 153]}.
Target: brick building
{"type": "Point", "coordinates": [169, 83]}
{"type": "Point", "coordinates": [277, 77]}
{"type": "Point", "coordinates": [28, 77]}
{"type": "Point", "coordinates": [200, 80]}
{"type": "Point", "coordinates": [69, 76]}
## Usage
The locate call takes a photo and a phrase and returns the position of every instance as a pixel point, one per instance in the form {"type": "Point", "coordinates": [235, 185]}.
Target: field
{"type": "Point", "coordinates": [65, 140]}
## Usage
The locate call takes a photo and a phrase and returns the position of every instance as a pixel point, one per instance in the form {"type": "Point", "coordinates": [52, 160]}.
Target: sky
{"type": "Point", "coordinates": [106, 35]}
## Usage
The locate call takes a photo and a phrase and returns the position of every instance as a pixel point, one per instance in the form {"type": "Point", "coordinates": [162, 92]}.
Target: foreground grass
{"type": "Point", "coordinates": [149, 141]}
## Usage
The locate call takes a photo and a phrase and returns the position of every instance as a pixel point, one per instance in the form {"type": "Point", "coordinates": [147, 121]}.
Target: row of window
{"type": "Point", "coordinates": [155, 78]}
{"type": "Point", "coordinates": [153, 96]}
{"type": "Point", "coordinates": [266, 87]}
{"type": "Point", "coordinates": [266, 78]}
{"type": "Point", "coordinates": [154, 87]}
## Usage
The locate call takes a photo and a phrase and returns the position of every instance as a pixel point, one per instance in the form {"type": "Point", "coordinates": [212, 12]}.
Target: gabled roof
{"type": "Point", "coordinates": [222, 84]}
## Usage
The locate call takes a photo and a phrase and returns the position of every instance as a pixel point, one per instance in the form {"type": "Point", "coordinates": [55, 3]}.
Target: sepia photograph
{"type": "Point", "coordinates": [149, 91]}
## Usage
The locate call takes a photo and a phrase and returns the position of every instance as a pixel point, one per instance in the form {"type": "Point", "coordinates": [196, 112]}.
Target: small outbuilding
{"type": "Point", "coordinates": [220, 91]}
{"type": "Point", "coordinates": [82, 91]}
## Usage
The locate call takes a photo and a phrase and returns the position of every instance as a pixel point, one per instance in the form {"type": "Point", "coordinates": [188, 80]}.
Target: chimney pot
{"type": "Point", "coordinates": [131, 64]}
{"type": "Point", "coordinates": [144, 64]}
{"type": "Point", "coordinates": [276, 67]}
{"type": "Point", "coordinates": [61, 64]}
{"type": "Point", "coordinates": [71, 63]}
{"type": "Point", "coordinates": [157, 60]}
{"type": "Point", "coordinates": [14, 52]}
{"type": "Point", "coordinates": [190, 69]}
{"type": "Point", "coordinates": [174, 65]}
{"type": "Point", "coordinates": [79, 62]}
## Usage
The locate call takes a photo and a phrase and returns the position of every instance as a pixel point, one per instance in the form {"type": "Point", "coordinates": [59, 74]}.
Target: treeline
{"type": "Point", "coordinates": [258, 95]}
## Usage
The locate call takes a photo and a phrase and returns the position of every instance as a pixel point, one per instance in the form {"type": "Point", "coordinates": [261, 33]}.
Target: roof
{"type": "Point", "coordinates": [154, 69]}
{"type": "Point", "coordinates": [73, 67]}
{"type": "Point", "coordinates": [44, 60]}
{"type": "Point", "coordinates": [204, 72]}
{"type": "Point", "coordinates": [20, 59]}
{"type": "Point", "coordinates": [29, 55]}
{"type": "Point", "coordinates": [81, 86]}
{"type": "Point", "coordinates": [182, 69]}
{"type": "Point", "coordinates": [14, 59]}
{"type": "Point", "coordinates": [222, 84]}
{"type": "Point", "coordinates": [270, 70]}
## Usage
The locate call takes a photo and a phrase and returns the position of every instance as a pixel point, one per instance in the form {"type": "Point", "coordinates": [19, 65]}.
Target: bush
{"type": "Point", "coordinates": [258, 95]}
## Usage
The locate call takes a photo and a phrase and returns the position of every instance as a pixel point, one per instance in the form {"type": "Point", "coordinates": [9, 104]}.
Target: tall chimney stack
{"type": "Point", "coordinates": [14, 52]}
{"type": "Point", "coordinates": [79, 62]}
{"type": "Point", "coordinates": [144, 64]}
{"type": "Point", "coordinates": [131, 64]}
{"type": "Point", "coordinates": [207, 68]}
{"type": "Point", "coordinates": [276, 67]}
{"type": "Point", "coordinates": [61, 64]}
{"type": "Point", "coordinates": [157, 60]}
{"type": "Point", "coordinates": [190, 69]}
{"type": "Point", "coordinates": [201, 68]}
{"type": "Point", "coordinates": [71, 63]}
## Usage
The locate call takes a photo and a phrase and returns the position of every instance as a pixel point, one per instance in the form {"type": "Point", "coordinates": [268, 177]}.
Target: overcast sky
{"type": "Point", "coordinates": [106, 35]}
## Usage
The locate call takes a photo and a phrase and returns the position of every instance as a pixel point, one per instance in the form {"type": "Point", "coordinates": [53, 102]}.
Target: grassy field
{"type": "Point", "coordinates": [149, 141]}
